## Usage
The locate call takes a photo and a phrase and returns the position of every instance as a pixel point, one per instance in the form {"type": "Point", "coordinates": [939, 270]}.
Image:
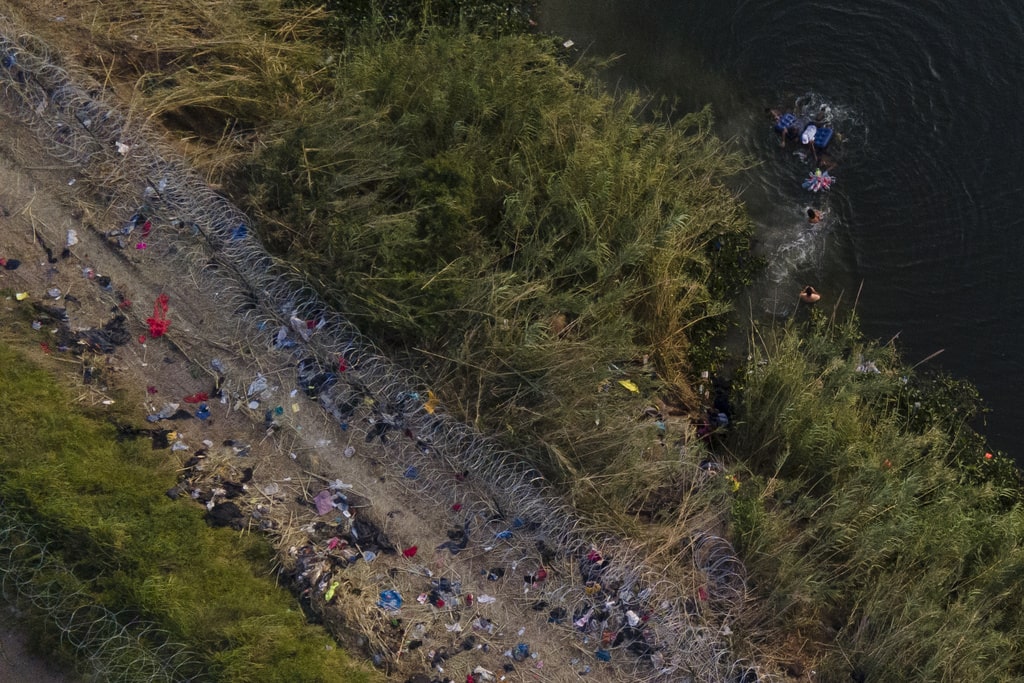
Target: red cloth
{"type": "Point", "coordinates": [159, 323]}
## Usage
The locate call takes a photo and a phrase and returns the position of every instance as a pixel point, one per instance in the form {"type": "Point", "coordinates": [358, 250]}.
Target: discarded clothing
{"type": "Point", "coordinates": [159, 323]}
{"type": "Point", "coordinates": [225, 514]}
{"type": "Point", "coordinates": [458, 539]}
{"type": "Point", "coordinates": [366, 534]}
{"type": "Point", "coordinates": [390, 600]}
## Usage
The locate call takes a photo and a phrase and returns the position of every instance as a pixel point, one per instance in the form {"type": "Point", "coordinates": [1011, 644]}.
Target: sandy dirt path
{"type": "Point", "coordinates": [18, 664]}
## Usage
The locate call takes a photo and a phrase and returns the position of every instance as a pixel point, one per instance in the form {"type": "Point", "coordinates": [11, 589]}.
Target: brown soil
{"type": "Point", "coordinates": [18, 664]}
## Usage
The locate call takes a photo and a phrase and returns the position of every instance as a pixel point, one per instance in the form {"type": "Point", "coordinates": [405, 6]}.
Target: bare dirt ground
{"type": "Point", "coordinates": [17, 662]}
{"type": "Point", "coordinates": [465, 612]}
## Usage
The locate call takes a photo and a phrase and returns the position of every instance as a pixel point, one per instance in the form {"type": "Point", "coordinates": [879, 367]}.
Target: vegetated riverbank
{"type": "Point", "coordinates": [556, 266]}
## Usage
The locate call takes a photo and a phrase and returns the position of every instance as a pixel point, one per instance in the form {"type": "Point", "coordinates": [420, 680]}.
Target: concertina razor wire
{"type": "Point", "coordinates": [112, 646]}
{"type": "Point", "coordinates": [131, 167]}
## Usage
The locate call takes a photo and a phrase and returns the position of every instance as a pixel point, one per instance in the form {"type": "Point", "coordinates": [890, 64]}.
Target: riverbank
{"type": "Point", "coordinates": [556, 270]}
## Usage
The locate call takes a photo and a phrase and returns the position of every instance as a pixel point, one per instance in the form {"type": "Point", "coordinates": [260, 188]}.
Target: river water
{"type": "Point", "coordinates": [925, 218]}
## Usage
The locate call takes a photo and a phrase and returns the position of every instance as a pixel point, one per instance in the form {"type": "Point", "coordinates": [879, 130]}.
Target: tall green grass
{"type": "Point", "coordinates": [514, 231]}
{"type": "Point", "coordinates": [100, 507]}
{"type": "Point", "coordinates": [873, 524]}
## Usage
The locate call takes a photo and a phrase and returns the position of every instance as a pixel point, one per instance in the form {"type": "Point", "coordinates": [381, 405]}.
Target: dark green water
{"type": "Point", "coordinates": [927, 209]}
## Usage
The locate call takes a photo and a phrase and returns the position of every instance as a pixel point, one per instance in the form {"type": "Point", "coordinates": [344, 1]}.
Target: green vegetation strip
{"type": "Point", "coordinates": [96, 509]}
{"type": "Point", "coordinates": [875, 523]}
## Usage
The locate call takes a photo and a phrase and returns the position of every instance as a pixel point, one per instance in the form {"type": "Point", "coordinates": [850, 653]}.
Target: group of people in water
{"type": "Point", "coordinates": [804, 127]}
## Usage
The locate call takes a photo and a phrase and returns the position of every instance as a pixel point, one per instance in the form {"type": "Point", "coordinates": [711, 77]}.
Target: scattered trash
{"type": "Point", "coordinates": [21, 296]}
{"type": "Point", "coordinates": [122, 148]}
{"type": "Point", "coordinates": [258, 386]}
{"type": "Point", "coordinates": [603, 655]}
{"type": "Point", "coordinates": [537, 577]}
{"type": "Point", "coordinates": [868, 367]}
{"type": "Point", "coordinates": [629, 386]}
{"type": "Point", "coordinates": [114, 333]}
{"type": "Point", "coordinates": [271, 489]}
{"type": "Point", "coordinates": [485, 599]}
{"type": "Point", "coordinates": [482, 674]}
{"type": "Point", "coordinates": [390, 600]}
{"type": "Point", "coordinates": [411, 472]}
{"type": "Point", "coordinates": [521, 652]}
{"type": "Point", "coordinates": [10, 263]}
{"type": "Point", "coordinates": [72, 238]}
{"type": "Point", "coordinates": [349, 451]}
{"type": "Point", "coordinates": [324, 502]}
{"type": "Point", "coordinates": [410, 552]}
{"type": "Point", "coordinates": [203, 411]}
{"type": "Point", "coordinates": [165, 413]}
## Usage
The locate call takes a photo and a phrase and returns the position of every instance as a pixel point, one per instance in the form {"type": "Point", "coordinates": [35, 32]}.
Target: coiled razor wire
{"type": "Point", "coordinates": [134, 169]}
{"type": "Point", "coordinates": [109, 645]}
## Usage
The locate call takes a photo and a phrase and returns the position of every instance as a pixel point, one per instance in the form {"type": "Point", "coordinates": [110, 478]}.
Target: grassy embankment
{"type": "Point", "coordinates": [873, 524]}
{"type": "Point", "coordinates": [494, 217]}
{"type": "Point", "coordinates": [86, 517]}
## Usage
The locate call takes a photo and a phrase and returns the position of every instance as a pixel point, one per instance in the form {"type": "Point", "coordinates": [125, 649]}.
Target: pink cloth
{"type": "Point", "coordinates": [324, 502]}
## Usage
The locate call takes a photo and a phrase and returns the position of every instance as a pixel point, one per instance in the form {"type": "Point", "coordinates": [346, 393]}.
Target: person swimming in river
{"type": "Point", "coordinates": [809, 295]}
{"type": "Point", "coordinates": [794, 130]}
{"type": "Point", "coordinates": [814, 216]}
